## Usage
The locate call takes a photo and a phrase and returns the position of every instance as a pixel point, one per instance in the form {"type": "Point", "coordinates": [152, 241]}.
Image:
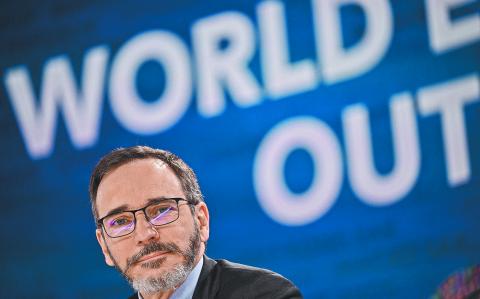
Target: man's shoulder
{"type": "Point", "coordinates": [226, 279]}
{"type": "Point", "coordinates": [238, 271]}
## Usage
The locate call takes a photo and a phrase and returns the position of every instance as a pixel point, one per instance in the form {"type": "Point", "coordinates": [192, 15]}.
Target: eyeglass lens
{"type": "Point", "coordinates": [123, 223]}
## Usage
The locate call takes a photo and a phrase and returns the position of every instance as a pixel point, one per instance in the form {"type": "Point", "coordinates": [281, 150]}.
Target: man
{"type": "Point", "coordinates": [153, 227]}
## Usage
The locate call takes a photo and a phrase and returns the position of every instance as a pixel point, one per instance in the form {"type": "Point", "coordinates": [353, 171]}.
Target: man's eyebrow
{"type": "Point", "coordinates": [157, 199]}
{"type": "Point", "coordinates": [117, 210]}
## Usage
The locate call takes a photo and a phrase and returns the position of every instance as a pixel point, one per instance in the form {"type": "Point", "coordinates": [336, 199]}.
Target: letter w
{"type": "Point", "coordinates": [81, 109]}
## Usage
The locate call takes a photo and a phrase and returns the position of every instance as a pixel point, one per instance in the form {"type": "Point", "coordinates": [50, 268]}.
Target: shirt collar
{"type": "Point", "coordinates": [187, 288]}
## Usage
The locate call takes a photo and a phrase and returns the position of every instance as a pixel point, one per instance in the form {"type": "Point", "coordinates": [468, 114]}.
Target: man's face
{"type": "Point", "coordinates": [150, 252]}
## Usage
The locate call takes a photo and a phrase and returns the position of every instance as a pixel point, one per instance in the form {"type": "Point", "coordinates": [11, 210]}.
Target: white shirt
{"type": "Point", "coordinates": [186, 289]}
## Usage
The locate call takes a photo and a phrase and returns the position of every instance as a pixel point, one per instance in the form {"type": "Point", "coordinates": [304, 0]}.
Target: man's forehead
{"type": "Point", "coordinates": [128, 171]}
{"type": "Point", "coordinates": [135, 183]}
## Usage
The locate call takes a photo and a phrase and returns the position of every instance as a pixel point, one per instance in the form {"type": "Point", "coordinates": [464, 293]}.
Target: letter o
{"type": "Point", "coordinates": [276, 199]}
{"type": "Point", "coordinates": [135, 114]}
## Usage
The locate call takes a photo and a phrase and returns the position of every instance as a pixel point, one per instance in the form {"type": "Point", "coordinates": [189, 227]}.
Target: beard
{"type": "Point", "coordinates": [170, 278]}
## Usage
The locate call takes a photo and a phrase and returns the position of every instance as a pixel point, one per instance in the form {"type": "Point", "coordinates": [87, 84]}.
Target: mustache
{"type": "Point", "coordinates": [150, 248]}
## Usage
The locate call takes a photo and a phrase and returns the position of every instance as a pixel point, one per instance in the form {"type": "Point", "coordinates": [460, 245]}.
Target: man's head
{"type": "Point", "coordinates": [152, 222]}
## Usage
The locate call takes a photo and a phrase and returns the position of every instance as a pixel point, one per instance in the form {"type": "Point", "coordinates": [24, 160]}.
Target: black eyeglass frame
{"type": "Point", "coordinates": [134, 212]}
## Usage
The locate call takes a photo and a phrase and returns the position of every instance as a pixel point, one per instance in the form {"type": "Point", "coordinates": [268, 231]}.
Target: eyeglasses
{"type": "Point", "coordinates": [158, 213]}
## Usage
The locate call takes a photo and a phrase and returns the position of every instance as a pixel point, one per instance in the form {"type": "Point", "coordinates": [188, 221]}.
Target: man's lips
{"type": "Point", "coordinates": [151, 256]}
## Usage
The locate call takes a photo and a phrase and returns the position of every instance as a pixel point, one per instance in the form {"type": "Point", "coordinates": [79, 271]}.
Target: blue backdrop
{"type": "Point", "coordinates": [336, 142]}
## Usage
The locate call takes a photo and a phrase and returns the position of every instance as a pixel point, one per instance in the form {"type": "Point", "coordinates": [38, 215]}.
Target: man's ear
{"type": "Point", "coordinates": [101, 242]}
{"type": "Point", "coordinates": [203, 218]}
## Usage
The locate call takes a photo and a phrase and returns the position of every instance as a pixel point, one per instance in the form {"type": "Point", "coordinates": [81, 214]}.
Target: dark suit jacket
{"type": "Point", "coordinates": [221, 279]}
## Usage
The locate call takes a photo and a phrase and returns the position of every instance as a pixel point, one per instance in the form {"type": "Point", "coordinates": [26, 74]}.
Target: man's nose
{"type": "Point", "coordinates": [144, 230]}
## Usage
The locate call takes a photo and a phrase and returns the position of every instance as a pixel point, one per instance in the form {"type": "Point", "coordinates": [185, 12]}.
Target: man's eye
{"type": "Point", "coordinates": [119, 222]}
{"type": "Point", "coordinates": [162, 210]}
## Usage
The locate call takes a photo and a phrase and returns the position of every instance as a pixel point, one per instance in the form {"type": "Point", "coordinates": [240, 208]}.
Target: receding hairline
{"type": "Point", "coordinates": [156, 161]}
{"type": "Point", "coordinates": [114, 166]}
{"type": "Point", "coordinates": [132, 161]}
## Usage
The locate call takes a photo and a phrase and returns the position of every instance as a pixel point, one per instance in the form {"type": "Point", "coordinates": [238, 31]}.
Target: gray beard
{"type": "Point", "coordinates": [170, 279]}
{"type": "Point", "coordinates": [167, 281]}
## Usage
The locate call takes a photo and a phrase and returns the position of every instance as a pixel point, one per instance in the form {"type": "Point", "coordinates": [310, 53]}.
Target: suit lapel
{"type": "Point", "coordinates": [206, 288]}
